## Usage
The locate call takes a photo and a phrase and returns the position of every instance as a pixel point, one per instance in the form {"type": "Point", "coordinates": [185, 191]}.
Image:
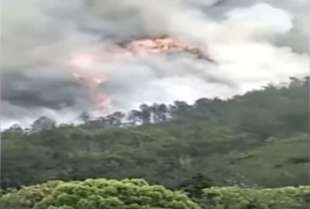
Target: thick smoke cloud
{"type": "Point", "coordinates": [254, 42]}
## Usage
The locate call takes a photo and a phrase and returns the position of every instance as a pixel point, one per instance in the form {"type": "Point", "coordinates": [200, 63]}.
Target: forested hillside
{"type": "Point", "coordinates": [257, 139]}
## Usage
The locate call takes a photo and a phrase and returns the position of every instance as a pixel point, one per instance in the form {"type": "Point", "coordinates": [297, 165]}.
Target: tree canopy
{"type": "Point", "coordinates": [96, 194]}
{"type": "Point", "coordinates": [260, 138]}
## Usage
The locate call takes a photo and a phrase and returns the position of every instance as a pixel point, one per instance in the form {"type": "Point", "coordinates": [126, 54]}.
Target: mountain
{"type": "Point", "coordinates": [260, 138]}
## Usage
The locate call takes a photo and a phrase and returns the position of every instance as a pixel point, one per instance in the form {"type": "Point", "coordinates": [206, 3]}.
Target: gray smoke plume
{"type": "Point", "coordinates": [254, 42]}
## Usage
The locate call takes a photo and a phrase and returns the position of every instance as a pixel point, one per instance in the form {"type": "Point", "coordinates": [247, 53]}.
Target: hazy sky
{"type": "Point", "coordinates": [254, 42]}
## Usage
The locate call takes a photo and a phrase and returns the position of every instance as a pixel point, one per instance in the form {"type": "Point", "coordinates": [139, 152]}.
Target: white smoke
{"type": "Point", "coordinates": [253, 42]}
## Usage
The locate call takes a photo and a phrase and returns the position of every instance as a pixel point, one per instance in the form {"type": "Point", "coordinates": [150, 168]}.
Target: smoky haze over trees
{"type": "Point", "coordinates": [267, 110]}
{"type": "Point", "coordinates": [155, 104]}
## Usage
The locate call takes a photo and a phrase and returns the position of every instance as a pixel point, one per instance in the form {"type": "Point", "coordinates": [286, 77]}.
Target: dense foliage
{"type": "Point", "coordinates": [249, 198]}
{"type": "Point", "coordinates": [96, 194]}
{"type": "Point", "coordinates": [260, 138]}
{"type": "Point", "coordinates": [137, 194]}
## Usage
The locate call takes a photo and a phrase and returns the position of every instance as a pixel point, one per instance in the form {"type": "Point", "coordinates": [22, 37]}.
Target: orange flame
{"type": "Point", "coordinates": [84, 65]}
{"type": "Point", "coordinates": [165, 45]}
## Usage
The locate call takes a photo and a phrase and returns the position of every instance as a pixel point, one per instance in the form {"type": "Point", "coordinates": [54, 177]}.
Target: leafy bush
{"type": "Point", "coordinates": [96, 194]}
{"type": "Point", "coordinates": [251, 198]}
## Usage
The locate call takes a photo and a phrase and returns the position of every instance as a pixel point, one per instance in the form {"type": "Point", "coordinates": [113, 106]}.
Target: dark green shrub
{"type": "Point", "coordinates": [251, 198]}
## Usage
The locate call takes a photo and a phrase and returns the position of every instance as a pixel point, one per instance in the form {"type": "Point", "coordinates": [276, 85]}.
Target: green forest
{"type": "Point", "coordinates": [247, 152]}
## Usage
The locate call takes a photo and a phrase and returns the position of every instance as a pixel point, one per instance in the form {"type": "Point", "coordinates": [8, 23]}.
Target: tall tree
{"type": "Point", "coordinates": [145, 113]}
{"type": "Point", "coordinates": [43, 123]}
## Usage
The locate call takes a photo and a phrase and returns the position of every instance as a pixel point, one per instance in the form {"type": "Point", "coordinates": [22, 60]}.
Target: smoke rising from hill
{"type": "Point", "coordinates": [254, 43]}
